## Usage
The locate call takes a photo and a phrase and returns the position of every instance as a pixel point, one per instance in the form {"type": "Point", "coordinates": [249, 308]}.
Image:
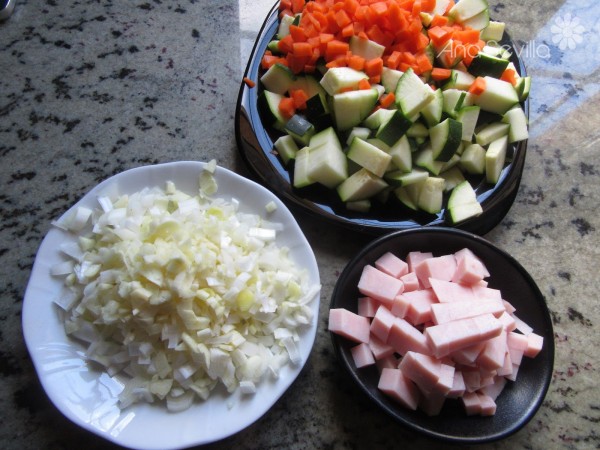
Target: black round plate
{"type": "Point", "coordinates": [520, 400]}
{"type": "Point", "coordinates": [255, 144]}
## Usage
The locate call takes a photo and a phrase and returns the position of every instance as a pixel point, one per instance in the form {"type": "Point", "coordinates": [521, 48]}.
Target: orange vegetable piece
{"type": "Point", "coordinates": [478, 86]}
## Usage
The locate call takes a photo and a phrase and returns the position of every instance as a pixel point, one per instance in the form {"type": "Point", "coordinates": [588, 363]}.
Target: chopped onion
{"type": "Point", "coordinates": [181, 293]}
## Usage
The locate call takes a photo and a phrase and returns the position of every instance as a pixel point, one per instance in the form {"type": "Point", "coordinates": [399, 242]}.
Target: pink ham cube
{"type": "Point", "coordinates": [382, 323]}
{"type": "Point", "coordinates": [458, 385]}
{"type": "Point", "coordinates": [419, 305]}
{"type": "Point", "coordinates": [447, 312]}
{"type": "Point", "coordinates": [432, 403]}
{"type": "Point", "coordinates": [362, 356]}
{"type": "Point", "coordinates": [450, 292]}
{"type": "Point", "coordinates": [440, 268]}
{"type": "Point", "coordinates": [389, 362]}
{"type": "Point", "coordinates": [423, 370]}
{"type": "Point", "coordinates": [469, 268]}
{"type": "Point", "coordinates": [392, 382]}
{"type": "Point", "coordinates": [410, 281]}
{"type": "Point", "coordinates": [379, 285]}
{"type": "Point", "coordinates": [448, 337]}
{"type": "Point", "coordinates": [414, 258]}
{"type": "Point", "coordinates": [487, 405]}
{"type": "Point", "coordinates": [367, 306]}
{"type": "Point", "coordinates": [380, 349]}
{"type": "Point", "coordinates": [392, 265]}
{"type": "Point", "coordinates": [404, 337]}
{"type": "Point", "coordinates": [492, 356]}
{"type": "Point", "coordinates": [349, 325]}
{"type": "Point", "coordinates": [494, 389]}
{"type": "Point", "coordinates": [535, 342]}
{"type": "Point", "coordinates": [471, 403]}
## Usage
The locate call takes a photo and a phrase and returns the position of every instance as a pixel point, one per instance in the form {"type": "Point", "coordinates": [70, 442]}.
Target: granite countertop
{"type": "Point", "coordinates": [89, 89]}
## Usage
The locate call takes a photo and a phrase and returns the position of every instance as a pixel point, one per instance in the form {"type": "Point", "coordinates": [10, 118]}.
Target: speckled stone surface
{"type": "Point", "coordinates": [90, 88]}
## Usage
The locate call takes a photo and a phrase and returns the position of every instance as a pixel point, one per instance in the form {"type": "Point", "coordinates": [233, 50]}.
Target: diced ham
{"type": "Point", "coordinates": [468, 356]}
{"type": "Point", "coordinates": [382, 323]}
{"type": "Point", "coordinates": [414, 258]}
{"type": "Point", "coordinates": [471, 403]}
{"type": "Point", "coordinates": [484, 292]}
{"type": "Point", "coordinates": [468, 343]}
{"type": "Point", "coordinates": [493, 390]}
{"type": "Point", "coordinates": [522, 326]}
{"type": "Point", "coordinates": [432, 403]}
{"type": "Point", "coordinates": [448, 291]}
{"type": "Point", "coordinates": [400, 306]}
{"type": "Point", "coordinates": [446, 379]}
{"type": "Point", "coordinates": [451, 336]}
{"type": "Point", "coordinates": [367, 306]}
{"type": "Point", "coordinates": [423, 370]}
{"type": "Point", "coordinates": [410, 281]}
{"type": "Point", "coordinates": [487, 404]}
{"type": "Point", "coordinates": [349, 325]}
{"type": "Point", "coordinates": [439, 267]}
{"type": "Point", "coordinates": [390, 362]}
{"type": "Point", "coordinates": [507, 366]}
{"type": "Point", "coordinates": [492, 356]}
{"type": "Point", "coordinates": [419, 305]}
{"type": "Point", "coordinates": [508, 321]}
{"type": "Point", "coordinates": [393, 383]}
{"type": "Point", "coordinates": [447, 312]}
{"type": "Point", "coordinates": [362, 356]}
{"type": "Point", "coordinates": [535, 342]}
{"type": "Point", "coordinates": [517, 344]}
{"type": "Point", "coordinates": [392, 265]}
{"type": "Point", "coordinates": [380, 349]}
{"type": "Point", "coordinates": [469, 268]}
{"type": "Point", "coordinates": [458, 385]}
{"type": "Point", "coordinates": [404, 337]}
{"type": "Point", "coordinates": [379, 285]}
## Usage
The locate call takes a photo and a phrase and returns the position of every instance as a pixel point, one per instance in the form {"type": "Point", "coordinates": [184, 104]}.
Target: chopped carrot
{"type": "Point", "coordinates": [297, 6]}
{"type": "Point", "coordinates": [249, 82]}
{"type": "Point", "coordinates": [438, 35]}
{"type": "Point", "coordinates": [424, 63]}
{"type": "Point", "coordinates": [364, 84]}
{"type": "Point", "coordinates": [478, 86]}
{"type": "Point", "coordinates": [285, 44]}
{"type": "Point", "coordinates": [348, 31]}
{"type": "Point", "coordinates": [439, 74]}
{"type": "Point", "coordinates": [287, 108]}
{"type": "Point", "coordinates": [387, 100]}
{"type": "Point", "coordinates": [356, 62]}
{"type": "Point", "coordinates": [373, 67]}
{"type": "Point", "coordinates": [510, 76]}
{"type": "Point", "coordinates": [427, 5]}
{"type": "Point", "coordinates": [336, 48]}
{"type": "Point", "coordinates": [468, 36]}
{"type": "Point", "coordinates": [302, 49]}
{"type": "Point", "coordinates": [439, 21]}
{"type": "Point", "coordinates": [300, 97]}
{"type": "Point", "coordinates": [285, 4]}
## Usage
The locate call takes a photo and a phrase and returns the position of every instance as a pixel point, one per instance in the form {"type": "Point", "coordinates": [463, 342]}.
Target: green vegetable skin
{"type": "Point", "coordinates": [433, 131]}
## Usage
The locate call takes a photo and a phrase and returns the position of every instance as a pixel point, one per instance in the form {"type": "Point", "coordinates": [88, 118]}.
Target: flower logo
{"type": "Point", "coordinates": [567, 32]}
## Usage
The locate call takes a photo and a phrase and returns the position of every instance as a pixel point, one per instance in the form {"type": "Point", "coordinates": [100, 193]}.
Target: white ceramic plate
{"type": "Point", "coordinates": [89, 397]}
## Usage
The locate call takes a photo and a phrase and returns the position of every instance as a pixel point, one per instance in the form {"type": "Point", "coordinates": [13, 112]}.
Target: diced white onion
{"type": "Point", "coordinates": [182, 293]}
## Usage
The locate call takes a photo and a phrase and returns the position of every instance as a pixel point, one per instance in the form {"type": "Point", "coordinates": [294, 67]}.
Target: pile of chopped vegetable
{"type": "Point", "coordinates": [421, 96]}
{"type": "Point", "coordinates": [181, 293]}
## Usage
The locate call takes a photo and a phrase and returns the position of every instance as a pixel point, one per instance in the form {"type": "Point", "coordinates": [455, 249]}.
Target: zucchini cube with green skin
{"type": "Point", "coordinates": [400, 178]}
{"type": "Point", "coordinates": [396, 127]}
{"type": "Point", "coordinates": [432, 112]}
{"type": "Point", "coordinates": [495, 157]}
{"type": "Point", "coordinates": [401, 153]}
{"type": "Point", "coordinates": [487, 65]}
{"type": "Point", "coordinates": [268, 105]}
{"type": "Point", "coordinates": [369, 156]}
{"type": "Point", "coordinates": [402, 193]}
{"type": "Point", "coordinates": [278, 79]}
{"type": "Point", "coordinates": [498, 96]}
{"type": "Point", "coordinates": [494, 31]}
{"type": "Point", "coordinates": [337, 79]}
{"type": "Point", "coordinates": [300, 129]}
{"type": "Point", "coordinates": [523, 86]}
{"type": "Point", "coordinates": [468, 116]}
{"type": "Point", "coordinates": [412, 95]}
{"type": "Point", "coordinates": [431, 194]}
{"type": "Point", "coordinates": [445, 138]}
{"type": "Point", "coordinates": [360, 186]}
{"type": "Point", "coordinates": [352, 107]}
{"type": "Point", "coordinates": [465, 9]}
{"type": "Point", "coordinates": [518, 124]}
{"type": "Point", "coordinates": [286, 147]}
{"type": "Point", "coordinates": [301, 166]}
{"type": "Point", "coordinates": [327, 163]}
{"type": "Point", "coordinates": [491, 132]}
{"type": "Point", "coordinates": [479, 21]}
{"type": "Point", "coordinates": [375, 119]}
{"type": "Point", "coordinates": [472, 159]}
{"type": "Point", "coordinates": [452, 177]}
{"type": "Point", "coordinates": [424, 159]}
{"type": "Point", "coordinates": [366, 48]}
{"type": "Point", "coordinates": [390, 78]}
{"type": "Point", "coordinates": [462, 203]}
